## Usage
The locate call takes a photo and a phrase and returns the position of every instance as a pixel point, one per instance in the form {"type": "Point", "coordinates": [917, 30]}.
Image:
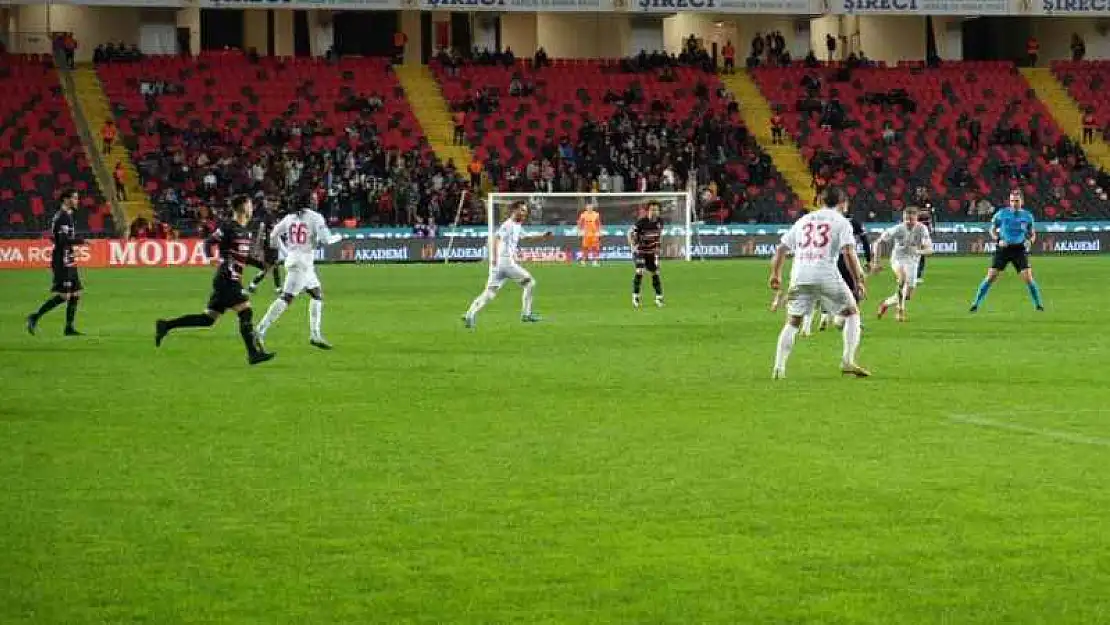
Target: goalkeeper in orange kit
{"type": "Point", "coordinates": [589, 226]}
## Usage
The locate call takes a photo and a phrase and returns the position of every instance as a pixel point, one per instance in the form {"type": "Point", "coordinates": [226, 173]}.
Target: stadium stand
{"type": "Point", "coordinates": [895, 135]}
{"type": "Point", "coordinates": [41, 152]}
{"type": "Point", "coordinates": [631, 117]}
{"type": "Point", "coordinates": [201, 129]}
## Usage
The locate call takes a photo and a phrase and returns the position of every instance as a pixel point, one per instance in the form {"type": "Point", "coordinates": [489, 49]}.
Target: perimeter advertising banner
{"type": "Point", "coordinates": [28, 254]}
{"type": "Point", "coordinates": [567, 249]}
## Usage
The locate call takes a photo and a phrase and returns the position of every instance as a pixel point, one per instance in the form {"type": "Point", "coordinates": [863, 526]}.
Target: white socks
{"type": "Point", "coordinates": [786, 343]}
{"type": "Point", "coordinates": [891, 301]}
{"type": "Point", "coordinates": [272, 314]}
{"type": "Point", "coordinates": [526, 298]}
{"type": "Point", "coordinates": [480, 302]}
{"type": "Point", "coordinates": [315, 314]}
{"type": "Point", "coordinates": [851, 338]}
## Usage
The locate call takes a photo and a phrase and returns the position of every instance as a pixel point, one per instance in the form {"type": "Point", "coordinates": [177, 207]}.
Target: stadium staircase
{"type": "Point", "coordinates": [89, 102]}
{"type": "Point", "coordinates": [1066, 111]}
{"type": "Point", "coordinates": [756, 111]}
{"type": "Point", "coordinates": [430, 109]}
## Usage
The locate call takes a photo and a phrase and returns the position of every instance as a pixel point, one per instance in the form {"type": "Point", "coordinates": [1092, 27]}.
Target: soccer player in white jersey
{"type": "Point", "coordinates": [297, 236]}
{"type": "Point", "coordinates": [817, 240]}
{"type": "Point", "coordinates": [911, 241]}
{"type": "Point", "coordinates": [506, 267]}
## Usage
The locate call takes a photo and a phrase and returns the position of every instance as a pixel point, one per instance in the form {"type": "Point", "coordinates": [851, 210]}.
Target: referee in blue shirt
{"type": "Point", "coordinates": [1012, 226]}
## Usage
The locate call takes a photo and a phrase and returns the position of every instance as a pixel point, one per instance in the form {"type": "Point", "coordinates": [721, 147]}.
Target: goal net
{"type": "Point", "coordinates": [559, 212]}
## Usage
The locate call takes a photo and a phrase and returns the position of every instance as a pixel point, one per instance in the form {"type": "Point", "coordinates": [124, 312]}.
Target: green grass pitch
{"type": "Point", "coordinates": [605, 466]}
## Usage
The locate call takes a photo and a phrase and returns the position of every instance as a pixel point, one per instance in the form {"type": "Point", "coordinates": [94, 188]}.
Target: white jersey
{"type": "Point", "coordinates": [508, 237]}
{"type": "Point", "coordinates": [816, 241]}
{"type": "Point", "coordinates": [907, 241]}
{"type": "Point", "coordinates": [298, 235]}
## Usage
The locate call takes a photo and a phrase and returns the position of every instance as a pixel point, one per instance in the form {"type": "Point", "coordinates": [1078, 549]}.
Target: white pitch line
{"type": "Point", "coordinates": [1066, 437]}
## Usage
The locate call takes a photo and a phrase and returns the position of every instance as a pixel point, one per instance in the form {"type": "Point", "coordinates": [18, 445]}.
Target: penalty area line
{"type": "Point", "coordinates": [1067, 437]}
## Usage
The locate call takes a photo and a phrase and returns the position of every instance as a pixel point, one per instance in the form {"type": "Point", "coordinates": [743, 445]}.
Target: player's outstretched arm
{"type": "Point", "coordinates": [775, 280]}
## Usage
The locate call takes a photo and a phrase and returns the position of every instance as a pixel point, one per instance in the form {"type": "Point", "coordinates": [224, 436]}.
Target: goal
{"type": "Point", "coordinates": [558, 213]}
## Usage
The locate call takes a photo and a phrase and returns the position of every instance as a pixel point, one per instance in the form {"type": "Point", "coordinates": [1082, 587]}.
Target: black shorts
{"type": "Point", "coordinates": [646, 261]}
{"type": "Point", "coordinates": [226, 294]}
{"type": "Point", "coordinates": [66, 280]}
{"type": "Point", "coordinates": [1010, 254]}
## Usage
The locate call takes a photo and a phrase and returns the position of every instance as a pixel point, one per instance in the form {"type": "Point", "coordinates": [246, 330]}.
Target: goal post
{"type": "Point", "coordinates": [559, 212]}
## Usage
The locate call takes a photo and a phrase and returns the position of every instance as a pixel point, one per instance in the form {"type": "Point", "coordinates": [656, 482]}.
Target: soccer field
{"type": "Point", "coordinates": [605, 466]}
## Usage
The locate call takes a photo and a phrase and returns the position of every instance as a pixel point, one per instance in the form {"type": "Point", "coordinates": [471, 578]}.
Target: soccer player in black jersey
{"type": "Point", "coordinates": [645, 238]}
{"type": "Point", "coordinates": [234, 242]}
{"type": "Point", "coordinates": [264, 220]}
{"type": "Point", "coordinates": [63, 263]}
{"type": "Point", "coordinates": [842, 265]}
{"type": "Point", "coordinates": [925, 216]}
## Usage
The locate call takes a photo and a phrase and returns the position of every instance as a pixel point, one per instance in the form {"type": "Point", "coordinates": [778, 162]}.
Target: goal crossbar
{"type": "Point", "coordinates": [678, 211]}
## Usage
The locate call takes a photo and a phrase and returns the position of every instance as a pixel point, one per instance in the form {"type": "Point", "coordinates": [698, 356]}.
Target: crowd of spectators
{"type": "Point", "coordinates": [638, 148]}
{"type": "Point", "coordinates": [366, 183]}
{"type": "Point", "coordinates": [116, 53]}
{"type": "Point", "coordinates": [360, 182]}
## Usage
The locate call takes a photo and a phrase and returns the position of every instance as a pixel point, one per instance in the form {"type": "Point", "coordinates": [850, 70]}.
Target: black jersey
{"type": "Point", "coordinates": [861, 236]}
{"type": "Point", "coordinates": [262, 225]}
{"type": "Point", "coordinates": [234, 243]}
{"type": "Point", "coordinates": [647, 235]}
{"type": "Point", "coordinates": [65, 238]}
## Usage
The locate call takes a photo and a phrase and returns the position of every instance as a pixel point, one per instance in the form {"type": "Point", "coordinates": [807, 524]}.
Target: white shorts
{"type": "Point", "coordinates": [300, 278]}
{"type": "Point", "coordinates": [508, 271]}
{"type": "Point", "coordinates": [833, 295]}
{"type": "Point", "coordinates": [908, 268]}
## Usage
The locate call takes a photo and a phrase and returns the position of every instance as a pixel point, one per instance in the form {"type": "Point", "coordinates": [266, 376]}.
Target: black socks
{"type": "Point", "coordinates": [246, 330]}
{"type": "Point", "coordinates": [636, 282]}
{"type": "Point", "coordinates": [71, 311]}
{"type": "Point", "coordinates": [190, 321]}
{"type": "Point", "coordinates": [657, 284]}
{"type": "Point", "coordinates": [49, 305]}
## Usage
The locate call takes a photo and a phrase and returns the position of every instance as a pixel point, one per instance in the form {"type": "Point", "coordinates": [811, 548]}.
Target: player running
{"type": "Point", "coordinates": [297, 236]}
{"type": "Point", "coordinates": [645, 238]}
{"type": "Point", "coordinates": [265, 218]}
{"type": "Point", "coordinates": [506, 267]}
{"type": "Point", "coordinates": [911, 243]}
{"type": "Point", "coordinates": [234, 242]}
{"type": "Point", "coordinates": [817, 239]}
{"type": "Point", "coordinates": [63, 263]}
{"type": "Point", "coordinates": [1012, 227]}
{"type": "Point", "coordinates": [860, 235]}
{"type": "Point", "coordinates": [589, 226]}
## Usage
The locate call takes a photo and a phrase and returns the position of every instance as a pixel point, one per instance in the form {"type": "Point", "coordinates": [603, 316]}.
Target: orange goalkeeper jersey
{"type": "Point", "coordinates": [589, 224]}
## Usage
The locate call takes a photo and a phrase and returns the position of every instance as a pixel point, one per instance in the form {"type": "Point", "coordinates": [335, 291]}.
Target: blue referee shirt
{"type": "Point", "coordinates": [1014, 226]}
